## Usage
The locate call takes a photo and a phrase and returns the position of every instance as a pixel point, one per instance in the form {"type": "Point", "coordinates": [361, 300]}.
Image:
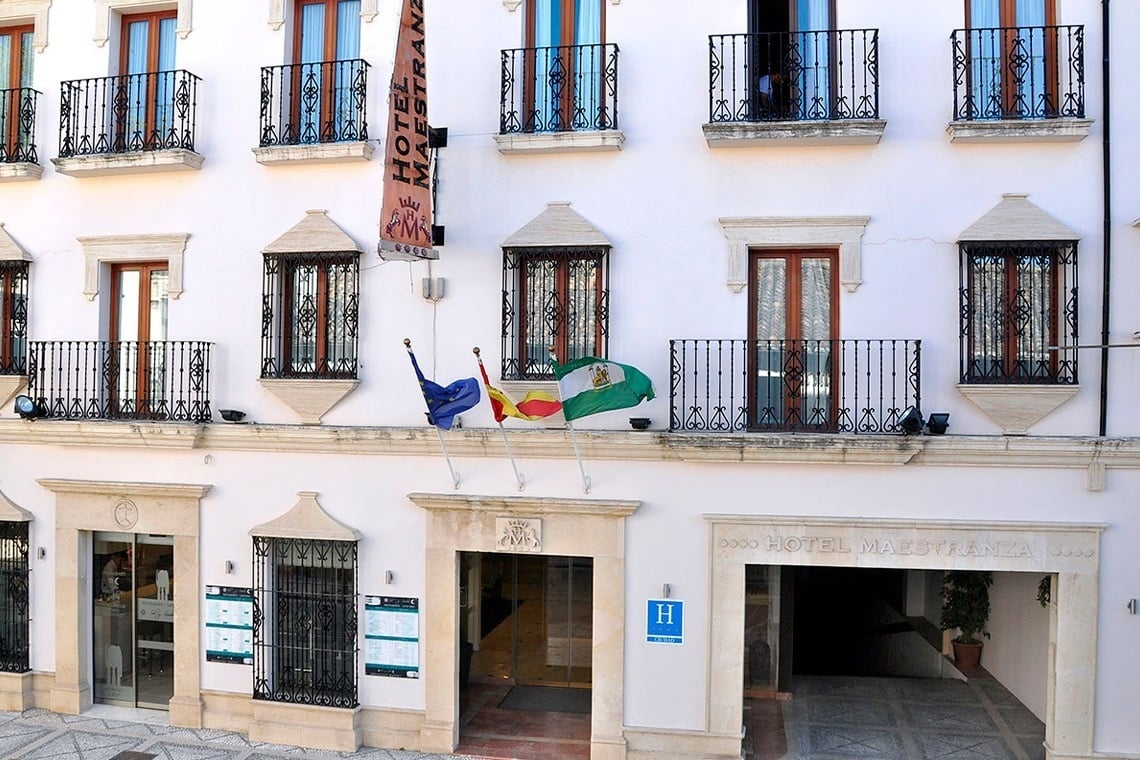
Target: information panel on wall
{"type": "Point", "coordinates": [229, 624]}
{"type": "Point", "coordinates": [392, 636]}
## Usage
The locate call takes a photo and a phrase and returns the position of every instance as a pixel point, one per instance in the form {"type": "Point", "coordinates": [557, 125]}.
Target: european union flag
{"type": "Point", "coordinates": [445, 403]}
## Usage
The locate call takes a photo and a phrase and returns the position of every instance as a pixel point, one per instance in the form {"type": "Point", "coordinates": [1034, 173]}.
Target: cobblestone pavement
{"type": "Point", "coordinates": [102, 733]}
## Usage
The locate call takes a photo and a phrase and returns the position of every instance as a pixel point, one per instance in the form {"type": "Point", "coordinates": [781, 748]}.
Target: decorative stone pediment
{"type": "Point", "coordinates": [33, 10]}
{"type": "Point", "coordinates": [103, 10]}
{"type": "Point", "coordinates": [12, 512]}
{"type": "Point", "coordinates": [10, 250]}
{"type": "Point", "coordinates": [123, 248]}
{"type": "Point", "coordinates": [844, 232]}
{"type": "Point", "coordinates": [1016, 219]}
{"type": "Point", "coordinates": [558, 225]}
{"type": "Point", "coordinates": [1016, 408]}
{"type": "Point", "coordinates": [310, 398]}
{"type": "Point", "coordinates": [307, 519]}
{"type": "Point", "coordinates": [316, 233]}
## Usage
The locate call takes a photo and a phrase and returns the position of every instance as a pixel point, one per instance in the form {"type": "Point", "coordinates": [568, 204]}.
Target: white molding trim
{"type": "Point", "coordinates": [735, 134]}
{"type": "Point", "coordinates": [37, 10]}
{"type": "Point", "coordinates": [744, 232]}
{"type": "Point", "coordinates": [1016, 408]}
{"type": "Point", "coordinates": [103, 10]}
{"type": "Point", "coordinates": [560, 142]}
{"type": "Point", "coordinates": [309, 398]}
{"type": "Point", "coordinates": [1019, 130]}
{"type": "Point", "coordinates": [512, 5]}
{"type": "Point", "coordinates": [10, 250]}
{"type": "Point", "coordinates": [120, 248]}
{"type": "Point", "coordinates": [369, 9]}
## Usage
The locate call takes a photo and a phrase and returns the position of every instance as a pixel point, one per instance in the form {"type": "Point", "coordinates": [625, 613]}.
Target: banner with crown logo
{"type": "Point", "coordinates": [406, 214]}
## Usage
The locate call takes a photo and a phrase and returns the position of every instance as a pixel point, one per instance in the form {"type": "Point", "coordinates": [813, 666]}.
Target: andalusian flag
{"type": "Point", "coordinates": [591, 385]}
{"type": "Point", "coordinates": [534, 406]}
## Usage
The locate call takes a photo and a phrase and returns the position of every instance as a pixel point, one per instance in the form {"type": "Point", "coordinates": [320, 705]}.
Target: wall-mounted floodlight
{"type": "Point", "coordinates": [911, 421]}
{"type": "Point", "coordinates": [28, 408]}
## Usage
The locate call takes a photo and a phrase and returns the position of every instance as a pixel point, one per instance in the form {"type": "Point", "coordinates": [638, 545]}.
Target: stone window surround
{"type": "Point", "coordinates": [99, 250]}
{"type": "Point", "coordinates": [277, 10]}
{"type": "Point", "coordinates": [103, 10]}
{"type": "Point", "coordinates": [36, 10]}
{"type": "Point", "coordinates": [1068, 550]}
{"type": "Point", "coordinates": [512, 5]}
{"type": "Point", "coordinates": [85, 506]}
{"type": "Point", "coordinates": [578, 527]}
{"type": "Point", "coordinates": [745, 232]}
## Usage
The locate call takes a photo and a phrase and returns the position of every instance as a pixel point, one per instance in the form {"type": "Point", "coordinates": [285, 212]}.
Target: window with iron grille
{"type": "Point", "coordinates": [304, 628]}
{"type": "Point", "coordinates": [14, 599]}
{"type": "Point", "coordinates": [1019, 312]}
{"type": "Point", "coordinates": [553, 297]}
{"type": "Point", "coordinates": [13, 317]}
{"type": "Point", "coordinates": [309, 315]}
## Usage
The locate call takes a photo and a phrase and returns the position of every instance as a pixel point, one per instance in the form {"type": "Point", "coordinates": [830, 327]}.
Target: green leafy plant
{"type": "Point", "coordinates": [966, 604]}
{"type": "Point", "coordinates": [1045, 591]}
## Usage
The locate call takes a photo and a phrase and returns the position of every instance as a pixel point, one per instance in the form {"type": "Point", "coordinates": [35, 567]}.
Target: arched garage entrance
{"type": "Point", "coordinates": [1069, 551]}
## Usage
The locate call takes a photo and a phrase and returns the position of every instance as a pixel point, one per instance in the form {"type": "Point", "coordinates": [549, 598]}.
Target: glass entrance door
{"type": "Point", "coordinates": [133, 620]}
{"type": "Point", "coordinates": [529, 618]}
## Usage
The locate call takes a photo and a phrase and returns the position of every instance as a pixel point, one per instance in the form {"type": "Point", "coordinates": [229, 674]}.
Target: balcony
{"type": "Point", "coordinates": [166, 381]}
{"type": "Point", "coordinates": [314, 113]}
{"type": "Point", "coordinates": [801, 87]}
{"type": "Point", "coordinates": [1019, 84]}
{"type": "Point", "coordinates": [130, 124]}
{"type": "Point", "coordinates": [559, 99]}
{"type": "Point", "coordinates": [810, 386]}
{"type": "Point", "coordinates": [18, 157]}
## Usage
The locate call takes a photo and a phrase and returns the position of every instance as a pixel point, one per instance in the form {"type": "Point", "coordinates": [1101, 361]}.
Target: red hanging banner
{"type": "Point", "coordinates": [406, 215]}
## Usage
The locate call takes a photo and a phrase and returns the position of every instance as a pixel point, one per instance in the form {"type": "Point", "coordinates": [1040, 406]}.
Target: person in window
{"type": "Point", "coordinates": [769, 93]}
{"type": "Point", "coordinates": [109, 581]}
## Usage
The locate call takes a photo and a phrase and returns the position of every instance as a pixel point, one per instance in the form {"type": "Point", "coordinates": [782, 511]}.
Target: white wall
{"type": "Point", "coordinates": [1017, 652]}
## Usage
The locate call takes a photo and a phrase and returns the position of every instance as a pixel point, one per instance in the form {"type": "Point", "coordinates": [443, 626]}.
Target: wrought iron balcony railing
{"type": "Point", "coordinates": [128, 113]}
{"type": "Point", "coordinates": [18, 126]}
{"type": "Point", "coordinates": [306, 103]}
{"type": "Point", "coordinates": [121, 380]}
{"type": "Point", "coordinates": [569, 88]}
{"type": "Point", "coordinates": [794, 76]}
{"type": "Point", "coordinates": [823, 386]}
{"type": "Point", "coordinates": [1027, 72]}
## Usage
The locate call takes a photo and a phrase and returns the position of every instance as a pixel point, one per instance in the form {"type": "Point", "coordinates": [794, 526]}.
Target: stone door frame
{"type": "Point", "coordinates": [1070, 551]}
{"type": "Point", "coordinates": [557, 527]}
{"type": "Point", "coordinates": [83, 507]}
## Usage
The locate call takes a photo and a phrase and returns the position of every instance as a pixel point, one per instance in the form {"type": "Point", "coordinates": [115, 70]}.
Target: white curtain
{"type": "Point", "coordinates": [813, 20]}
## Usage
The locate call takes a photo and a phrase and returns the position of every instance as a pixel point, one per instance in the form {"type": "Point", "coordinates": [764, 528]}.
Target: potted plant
{"type": "Point", "coordinates": [966, 606]}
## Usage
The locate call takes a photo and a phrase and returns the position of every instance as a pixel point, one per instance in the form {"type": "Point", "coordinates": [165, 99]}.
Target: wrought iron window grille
{"type": "Point", "coordinates": [310, 315]}
{"type": "Point", "coordinates": [128, 113]}
{"type": "Point", "coordinates": [14, 634]}
{"type": "Point", "coordinates": [553, 296]}
{"type": "Point", "coordinates": [305, 621]}
{"type": "Point", "coordinates": [18, 126]}
{"type": "Point", "coordinates": [1026, 72]}
{"type": "Point", "coordinates": [167, 381]}
{"type": "Point", "coordinates": [13, 317]}
{"type": "Point", "coordinates": [1017, 300]}
{"type": "Point", "coordinates": [794, 76]}
{"type": "Point", "coordinates": [811, 386]}
{"type": "Point", "coordinates": [564, 88]}
{"type": "Point", "coordinates": [309, 103]}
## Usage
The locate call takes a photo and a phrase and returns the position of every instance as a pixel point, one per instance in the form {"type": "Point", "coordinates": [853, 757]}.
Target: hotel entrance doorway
{"type": "Point", "coordinates": [133, 619]}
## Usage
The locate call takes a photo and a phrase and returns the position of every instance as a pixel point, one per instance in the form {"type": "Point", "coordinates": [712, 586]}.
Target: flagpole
{"type": "Point", "coordinates": [570, 427]}
{"type": "Point", "coordinates": [503, 430]}
{"type": "Point", "coordinates": [438, 432]}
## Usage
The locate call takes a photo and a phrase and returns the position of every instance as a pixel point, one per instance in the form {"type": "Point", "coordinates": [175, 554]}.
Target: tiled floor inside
{"type": "Point", "coordinates": [487, 730]}
{"type": "Point", "coordinates": [840, 718]}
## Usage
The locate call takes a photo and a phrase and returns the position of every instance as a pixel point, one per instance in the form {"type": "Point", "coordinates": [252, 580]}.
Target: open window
{"type": "Point", "coordinates": [791, 56]}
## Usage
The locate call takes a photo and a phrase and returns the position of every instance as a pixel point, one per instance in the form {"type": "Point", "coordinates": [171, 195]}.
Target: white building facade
{"type": "Point", "coordinates": [798, 221]}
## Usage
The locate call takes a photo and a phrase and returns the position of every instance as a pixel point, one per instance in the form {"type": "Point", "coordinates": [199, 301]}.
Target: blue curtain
{"type": "Point", "coordinates": [547, 63]}
{"type": "Point", "coordinates": [1031, 92]}
{"type": "Point", "coordinates": [589, 64]}
{"type": "Point", "coordinates": [347, 68]}
{"type": "Point", "coordinates": [985, 59]}
{"type": "Point", "coordinates": [138, 42]}
{"type": "Point", "coordinates": [307, 97]}
{"type": "Point", "coordinates": [813, 20]}
{"type": "Point", "coordinates": [165, 87]}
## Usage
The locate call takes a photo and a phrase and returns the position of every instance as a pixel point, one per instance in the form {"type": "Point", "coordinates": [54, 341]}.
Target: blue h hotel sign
{"type": "Point", "coordinates": [664, 622]}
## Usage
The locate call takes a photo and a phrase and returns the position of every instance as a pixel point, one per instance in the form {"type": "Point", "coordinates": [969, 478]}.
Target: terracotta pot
{"type": "Point", "coordinates": [967, 655]}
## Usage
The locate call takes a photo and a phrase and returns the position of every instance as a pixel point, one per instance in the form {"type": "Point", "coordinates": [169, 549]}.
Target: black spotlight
{"type": "Point", "coordinates": [911, 421]}
{"type": "Point", "coordinates": [232, 415]}
{"type": "Point", "coordinates": [28, 408]}
{"type": "Point", "coordinates": [938, 423]}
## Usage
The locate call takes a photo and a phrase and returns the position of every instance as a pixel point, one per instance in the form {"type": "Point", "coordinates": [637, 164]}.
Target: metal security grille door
{"type": "Point", "coordinates": [14, 597]}
{"type": "Point", "coordinates": [133, 619]}
{"type": "Point", "coordinates": [304, 621]}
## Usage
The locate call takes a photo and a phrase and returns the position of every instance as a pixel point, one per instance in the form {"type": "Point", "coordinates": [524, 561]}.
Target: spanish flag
{"type": "Point", "coordinates": [534, 406]}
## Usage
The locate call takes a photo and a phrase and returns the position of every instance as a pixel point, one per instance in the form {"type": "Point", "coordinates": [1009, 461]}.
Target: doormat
{"type": "Point", "coordinates": [547, 699]}
{"type": "Point", "coordinates": [129, 755]}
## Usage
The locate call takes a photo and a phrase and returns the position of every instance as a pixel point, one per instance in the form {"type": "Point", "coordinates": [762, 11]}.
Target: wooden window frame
{"type": "Point", "coordinates": [569, 27]}
{"type": "Point", "coordinates": [793, 319]}
{"type": "Point", "coordinates": [1007, 16]}
{"type": "Point", "coordinates": [142, 356]}
{"type": "Point", "coordinates": [560, 337]}
{"type": "Point", "coordinates": [11, 136]}
{"type": "Point", "coordinates": [153, 20]}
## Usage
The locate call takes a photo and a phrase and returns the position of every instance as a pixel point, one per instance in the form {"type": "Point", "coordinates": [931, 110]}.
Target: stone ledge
{"type": "Point", "coordinates": [1016, 408]}
{"type": "Point", "coordinates": [745, 134]}
{"type": "Point", "coordinates": [560, 142]}
{"type": "Point", "coordinates": [141, 162]}
{"type": "Point", "coordinates": [1019, 130]}
{"type": "Point", "coordinates": [310, 399]}
{"type": "Point", "coordinates": [318, 153]}
{"type": "Point", "coordinates": [20, 171]}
